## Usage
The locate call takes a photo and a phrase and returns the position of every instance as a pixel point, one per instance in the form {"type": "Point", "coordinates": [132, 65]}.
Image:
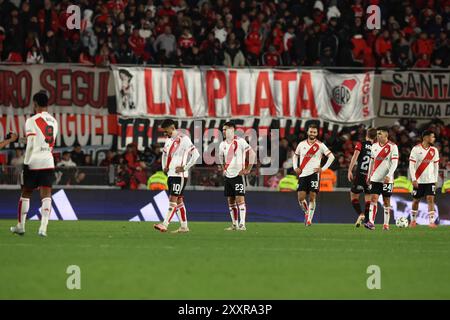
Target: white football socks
{"type": "Point", "coordinates": [170, 212]}
{"type": "Point", "coordinates": [373, 212]}
{"type": "Point", "coordinates": [182, 215]}
{"type": "Point", "coordinates": [234, 214]}
{"type": "Point", "coordinates": [46, 209]}
{"type": "Point", "coordinates": [22, 210]}
{"type": "Point", "coordinates": [387, 214]}
{"type": "Point", "coordinates": [312, 209]}
{"type": "Point", "coordinates": [242, 213]}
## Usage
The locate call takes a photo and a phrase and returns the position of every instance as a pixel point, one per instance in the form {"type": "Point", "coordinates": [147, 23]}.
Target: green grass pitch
{"type": "Point", "coordinates": [127, 260]}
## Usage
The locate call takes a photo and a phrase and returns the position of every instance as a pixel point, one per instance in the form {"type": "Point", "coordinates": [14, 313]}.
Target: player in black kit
{"type": "Point", "coordinates": [361, 160]}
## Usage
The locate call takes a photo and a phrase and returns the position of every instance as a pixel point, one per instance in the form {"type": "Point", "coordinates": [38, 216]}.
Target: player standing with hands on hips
{"type": "Point", "coordinates": [424, 170]}
{"type": "Point", "coordinates": [383, 163]}
{"type": "Point", "coordinates": [232, 155]}
{"type": "Point", "coordinates": [39, 166]}
{"type": "Point", "coordinates": [310, 152]}
{"type": "Point", "coordinates": [179, 155]}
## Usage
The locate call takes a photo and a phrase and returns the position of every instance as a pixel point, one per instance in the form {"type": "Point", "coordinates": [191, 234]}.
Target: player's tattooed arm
{"type": "Point", "coordinates": [295, 158]}
{"type": "Point", "coordinates": [412, 172]}
{"type": "Point", "coordinates": [352, 165]}
{"type": "Point", "coordinates": [251, 161]}
{"type": "Point", "coordinates": [369, 173]}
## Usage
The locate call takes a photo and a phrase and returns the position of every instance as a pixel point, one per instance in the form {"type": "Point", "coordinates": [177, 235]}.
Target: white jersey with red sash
{"type": "Point", "coordinates": [424, 161]}
{"type": "Point", "coordinates": [382, 157]}
{"type": "Point", "coordinates": [41, 131]}
{"type": "Point", "coordinates": [233, 156]}
{"type": "Point", "coordinates": [310, 156]}
{"type": "Point", "coordinates": [176, 152]}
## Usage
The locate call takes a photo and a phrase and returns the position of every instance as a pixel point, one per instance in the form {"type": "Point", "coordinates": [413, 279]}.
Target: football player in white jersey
{"type": "Point", "coordinates": [424, 171]}
{"type": "Point", "coordinates": [232, 156]}
{"type": "Point", "coordinates": [383, 163]}
{"type": "Point", "coordinates": [39, 166]}
{"type": "Point", "coordinates": [306, 163]}
{"type": "Point", "coordinates": [179, 155]}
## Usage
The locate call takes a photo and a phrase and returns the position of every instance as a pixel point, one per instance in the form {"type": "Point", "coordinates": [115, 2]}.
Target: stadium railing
{"type": "Point", "coordinates": [200, 178]}
{"type": "Point", "coordinates": [338, 69]}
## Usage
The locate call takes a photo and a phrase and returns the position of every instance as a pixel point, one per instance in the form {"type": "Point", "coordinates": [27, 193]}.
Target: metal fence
{"type": "Point", "coordinates": [204, 177]}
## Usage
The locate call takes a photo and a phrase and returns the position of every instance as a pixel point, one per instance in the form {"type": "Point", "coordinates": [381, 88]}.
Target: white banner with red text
{"type": "Point", "coordinates": [244, 93]}
{"type": "Point", "coordinates": [421, 95]}
{"type": "Point", "coordinates": [71, 89]}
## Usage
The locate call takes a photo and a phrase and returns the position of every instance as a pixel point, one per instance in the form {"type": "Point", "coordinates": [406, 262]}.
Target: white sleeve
{"type": "Point", "coordinates": [192, 152]}
{"type": "Point", "coordinates": [244, 144]}
{"type": "Point", "coordinates": [328, 154]}
{"type": "Point", "coordinates": [436, 165]}
{"type": "Point", "coordinates": [325, 149]}
{"type": "Point", "coordinates": [164, 156]}
{"type": "Point", "coordinates": [30, 131]}
{"type": "Point", "coordinates": [394, 161]}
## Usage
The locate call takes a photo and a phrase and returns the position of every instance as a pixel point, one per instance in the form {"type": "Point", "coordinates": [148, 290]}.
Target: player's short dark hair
{"type": "Point", "coordinates": [313, 126]}
{"type": "Point", "coordinates": [372, 133]}
{"type": "Point", "coordinates": [167, 123]}
{"type": "Point", "coordinates": [385, 129]}
{"type": "Point", "coordinates": [229, 124]}
{"type": "Point", "coordinates": [427, 133]}
{"type": "Point", "coordinates": [41, 99]}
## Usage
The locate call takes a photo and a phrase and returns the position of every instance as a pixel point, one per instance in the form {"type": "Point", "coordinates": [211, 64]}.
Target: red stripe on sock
{"type": "Point", "coordinates": [19, 213]}
{"type": "Point", "coordinates": [235, 212]}
{"type": "Point", "coordinates": [374, 213]}
{"type": "Point", "coordinates": [183, 213]}
{"type": "Point", "coordinates": [173, 212]}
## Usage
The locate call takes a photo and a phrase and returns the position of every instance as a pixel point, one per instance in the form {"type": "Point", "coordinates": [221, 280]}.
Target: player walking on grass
{"type": "Point", "coordinates": [361, 159]}
{"type": "Point", "coordinates": [309, 152]}
{"type": "Point", "coordinates": [424, 170]}
{"type": "Point", "coordinates": [232, 154]}
{"type": "Point", "coordinates": [383, 163]}
{"type": "Point", "coordinates": [39, 166]}
{"type": "Point", "coordinates": [179, 155]}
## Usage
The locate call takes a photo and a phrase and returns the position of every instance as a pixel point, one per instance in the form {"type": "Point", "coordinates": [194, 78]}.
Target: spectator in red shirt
{"type": "Point", "coordinates": [137, 43]}
{"type": "Point", "coordinates": [383, 44]}
{"type": "Point", "coordinates": [105, 58]}
{"type": "Point", "coordinates": [422, 62]}
{"type": "Point", "coordinates": [272, 58]}
{"type": "Point", "coordinates": [186, 40]}
{"type": "Point", "coordinates": [423, 45]}
{"type": "Point", "coordinates": [253, 44]}
{"type": "Point", "coordinates": [48, 18]}
{"type": "Point", "coordinates": [166, 10]}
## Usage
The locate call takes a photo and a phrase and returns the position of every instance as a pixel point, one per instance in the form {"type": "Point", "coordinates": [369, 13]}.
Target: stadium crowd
{"type": "Point", "coordinates": [414, 33]}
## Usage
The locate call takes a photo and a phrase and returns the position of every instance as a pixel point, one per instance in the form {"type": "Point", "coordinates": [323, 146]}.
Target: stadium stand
{"type": "Point", "coordinates": [223, 32]}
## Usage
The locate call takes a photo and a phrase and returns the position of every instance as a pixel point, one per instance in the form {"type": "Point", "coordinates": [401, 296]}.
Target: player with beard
{"type": "Point", "coordinates": [306, 163]}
